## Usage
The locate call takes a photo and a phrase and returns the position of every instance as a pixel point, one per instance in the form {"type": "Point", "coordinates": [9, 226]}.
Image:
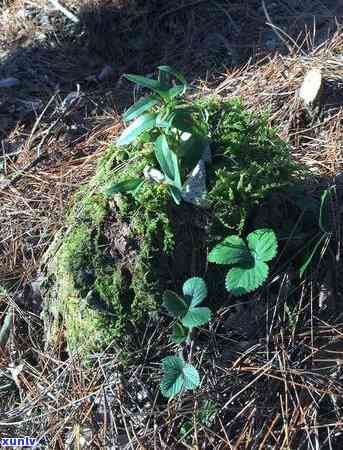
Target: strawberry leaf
{"type": "Point", "coordinates": [240, 281]}
{"type": "Point", "coordinates": [191, 378]}
{"type": "Point", "coordinates": [232, 250]}
{"type": "Point", "coordinates": [196, 317]}
{"type": "Point", "coordinates": [177, 375]}
{"type": "Point", "coordinates": [180, 334]}
{"type": "Point", "coordinates": [175, 305]}
{"type": "Point", "coordinates": [196, 289]}
{"type": "Point", "coordinates": [263, 244]}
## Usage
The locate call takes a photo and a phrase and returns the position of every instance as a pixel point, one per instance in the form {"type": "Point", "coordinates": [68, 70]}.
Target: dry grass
{"type": "Point", "coordinates": [283, 390]}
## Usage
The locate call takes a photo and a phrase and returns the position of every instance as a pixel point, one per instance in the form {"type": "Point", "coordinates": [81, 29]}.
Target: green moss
{"type": "Point", "coordinates": [148, 211]}
{"type": "Point", "coordinates": [87, 330]}
{"type": "Point", "coordinates": [249, 162]}
{"type": "Point", "coordinates": [143, 288]}
{"type": "Point", "coordinates": [76, 250]}
{"type": "Point", "coordinates": [99, 293]}
{"type": "Point", "coordinates": [96, 296]}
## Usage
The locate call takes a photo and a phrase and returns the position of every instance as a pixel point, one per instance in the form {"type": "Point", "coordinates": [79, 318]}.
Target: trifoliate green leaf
{"type": "Point", "coordinates": [196, 317]}
{"type": "Point", "coordinates": [173, 378]}
{"type": "Point", "coordinates": [191, 377]}
{"type": "Point", "coordinates": [196, 289]}
{"type": "Point", "coordinates": [177, 374]}
{"type": "Point", "coordinates": [180, 334]}
{"type": "Point", "coordinates": [240, 281]}
{"type": "Point", "coordinates": [175, 305]}
{"type": "Point", "coordinates": [263, 244]}
{"type": "Point", "coordinates": [232, 250]}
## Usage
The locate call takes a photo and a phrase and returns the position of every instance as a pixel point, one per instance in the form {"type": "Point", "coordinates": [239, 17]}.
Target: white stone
{"type": "Point", "coordinates": [194, 189]}
{"type": "Point", "coordinates": [310, 89]}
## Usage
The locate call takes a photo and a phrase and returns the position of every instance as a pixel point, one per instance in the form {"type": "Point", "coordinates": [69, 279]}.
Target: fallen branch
{"type": "Point", "coordinates": [64, 11]}
{"type": "Point", "coordinates": [6, 328]}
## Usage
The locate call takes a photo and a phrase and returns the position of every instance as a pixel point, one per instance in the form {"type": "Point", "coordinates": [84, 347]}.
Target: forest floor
{"type": "Point", "coordinates": [283, 392]}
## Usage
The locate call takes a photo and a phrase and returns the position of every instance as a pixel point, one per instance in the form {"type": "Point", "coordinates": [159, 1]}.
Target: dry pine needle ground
{"type": "Point", "coordinates": [283, 392]}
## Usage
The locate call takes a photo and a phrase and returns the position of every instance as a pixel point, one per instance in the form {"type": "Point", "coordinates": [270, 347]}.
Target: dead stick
{"type": "Point", "coordinates": [64, 11]}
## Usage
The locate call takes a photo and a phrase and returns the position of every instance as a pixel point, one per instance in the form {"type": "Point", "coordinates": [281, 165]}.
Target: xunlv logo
{"type": "Point", "coordinates": [18, 442]}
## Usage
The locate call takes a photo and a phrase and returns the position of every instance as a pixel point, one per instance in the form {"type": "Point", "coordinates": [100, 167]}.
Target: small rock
{"type": "Point", "coordinates": [194, 189]}
{"type": "Point", "coordinates": [142, 395]}
{"type": "Point", "coordinates": [311, 87]}
{"type": "Point", "coordinates": [153, 174]}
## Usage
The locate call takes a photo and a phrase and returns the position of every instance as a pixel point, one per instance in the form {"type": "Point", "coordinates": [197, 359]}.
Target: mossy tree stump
{"type": "Point", "coordinates": [107, 270]}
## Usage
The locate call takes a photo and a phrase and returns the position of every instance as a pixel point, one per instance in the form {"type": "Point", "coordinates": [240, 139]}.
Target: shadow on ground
{"type": "Point", "coordinates": [46, 52]}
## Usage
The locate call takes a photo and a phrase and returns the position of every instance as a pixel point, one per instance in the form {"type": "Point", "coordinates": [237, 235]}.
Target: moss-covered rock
{"type": "Point", "coordinates": [107, 270]}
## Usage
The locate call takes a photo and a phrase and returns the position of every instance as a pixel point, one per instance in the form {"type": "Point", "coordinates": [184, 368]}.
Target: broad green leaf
{"type": "Point", "coordinates": [183, 121]}
{"type": "Point", "coordinates": [196, 317]}
{"type": "Point", "coordinates": [192, 150]}
{"type": "Point", "coordinates": [129, 185]}
{"type": "Point", "coordinates": [173, 378]}
{"type": "Point", "coordinates": [167, 160]}
{"type": "Point", "coordinates": [191, 377]}
{"type": "Point", "coordinates": [140, 107]}
{"type": "Point", "coordinates": [175, 305]}
{"type": "Point", "coordinates": [165, 121]}
{"type": "Point", "coordinates": [263, 244]}
{"type": "Point", "coordinates": [175, 91]}
{"type": "Point", "coordinates": [175, 192]}
{"type": "Point", "coordinates": [149, 83]}
{"type": "Point", "coordinates": [180, 334]}
{"type": "Point", "coordinates": [165, 156]}
{"type": "Point", "coordinates": [142, 123]}
{"type": "Point", "coordinates": [240, 281]}
{"type": "Point", "coordinates": [177, 375]}
{"type": "Point", "coordinates": [196, 289]}
{"type": "Point", "coordinates": [171, 71]}
{"type": "Point", "coordinates": [232, 250]}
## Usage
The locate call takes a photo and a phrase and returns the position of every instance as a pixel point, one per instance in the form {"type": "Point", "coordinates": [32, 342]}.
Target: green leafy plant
{"type": "Point", "coordinates": [205, 415]}
{"type": "Point", "coordinates": [322, 238]}
{"type": "Point", "coordinates": [185, 308]}
{"type": "Point", "coordinates": [248, 258]}
{"type": "Point", "coordinates": [176, 129]}
{"type": "Point", "coordinates": [208, 412]}
{"type": "Point", "coordinates": [177, 375]}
